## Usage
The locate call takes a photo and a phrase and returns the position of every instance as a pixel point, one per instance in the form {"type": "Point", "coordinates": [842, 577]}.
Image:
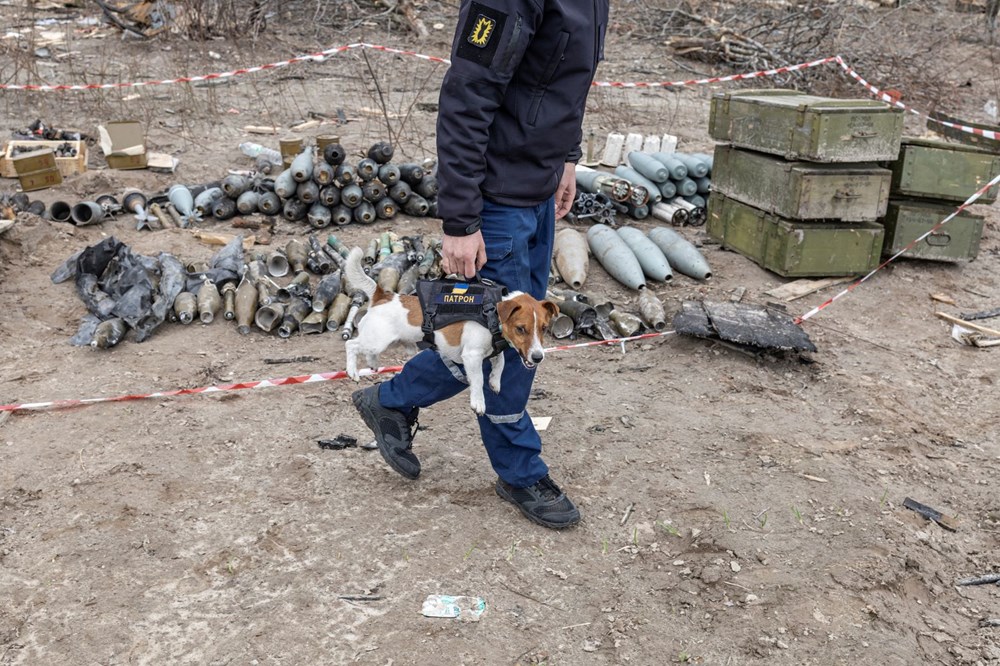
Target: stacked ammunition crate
{"type": "Point", "coordinates": [797, 185]}
{"type": "Point", "coordinates": [929, 180]}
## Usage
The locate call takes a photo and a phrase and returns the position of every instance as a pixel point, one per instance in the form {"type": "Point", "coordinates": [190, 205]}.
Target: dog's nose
{"type": "Point", "coordinates": [536, 357]}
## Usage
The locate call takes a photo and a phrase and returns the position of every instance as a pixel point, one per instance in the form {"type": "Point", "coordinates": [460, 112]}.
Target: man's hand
{"type": "Point", "coordinates": [566, 192]}
{"type": "Point", "coordinates": [463, 255]}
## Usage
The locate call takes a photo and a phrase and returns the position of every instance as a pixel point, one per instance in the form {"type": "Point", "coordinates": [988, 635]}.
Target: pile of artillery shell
{"type": "Point", "coordinates": [675, 182]}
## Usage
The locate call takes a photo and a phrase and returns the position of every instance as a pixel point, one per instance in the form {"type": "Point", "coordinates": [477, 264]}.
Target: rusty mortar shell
{"type": "Point", "coordinates": [416, 205]}
{"type": "Point", "coordinates": [296, 310]}
{"type": "Point", "coordinates": [572, 257]}
{"type": "Point", "coordinates": [60, 211]}
{"type": "Point", "coordinates": [268, 317]}
{"type": "Point", "coordinates": [229, 301]}
{"type": "Point", "coordinates": [408, 280]}
{"type": "Point", "coordinates": [234, 185]}
{"type": "Point", "coordinates": [351, 195]}
{"type": "Point", "coordinates": [323, 174]}
{"type": "Point", "coordinates": [327, 289]}
{"type": "Point", "coordinates": [357, 300]}
{"type": "Point", "coordinates": [385, 209]}
{"type": "Point", "coordinates": [307, 192]}
{"type": "Point", "coordinates": [265, 166]}
{"type": "Point", "coordinates": [626, 323]}
{"type": "Point", "coordinates": [427, 187]}
{"type": "Point", "coordinates": [582, 314]}
{"type": "Point", "coordinates": [388, 174]}
{"type": "Point", "coordinates": [295, 210]}
{"type": "Point", "coordinates": [269, 204]}
{"type": "Point", "coordinates": [367, 169]}
{"type": "Point", "coordinates": [388, 278]}
{"type": "Point", "coordinates": [265, 295]}
{"type": "Point", "coordinates": [400, 192]}
{"type": "Point", "coordinates": [203, 202]}
{"type": "Point", "coordinates": [296, 253]}
{"type": "Point", "coordinates": [371, 254]}
{"type": "Point", "coordinates": [248, 202]}
{"type": "Point", "coordinates": [285, 185]}
{"type": "Point", "coordinates": [562, 326]}
{"type": "Point", "coordinates": [108, 333]}
{"type": "Point", "coordinates": [86, 213]}
{"type": "Point", "coordinates": [381, 152]}
{"type": "Point", "coordinates": [341, 215]}
{"type": "Point", "coordinates": [338, 246]}
{"type": "Point", "coordinates": [411, 174]}
{"type": "Point", "coordinates": [329, 196]}
{"type": "Point", "coordinates": [277, 264]}
{"type": "Point", "coordinates": [223, 208]}
{"type": "Point", "coordinates": [384, 245]}
{"type": "Point", "coordinates": [302, 166]}
{"type": "Point", "coordinates": [364, 213]}
{"type": "Point", "coordinates": [337, 312]}
{"type": "Point", "coordinates": [373, 190]}
{"type": "Point", "coordinates": [209, 302]}
{"type": "Point", "coordinates": [651, 309]}
{"type": "Point", "coordinates": [315, 322]}
{"type": "Point", "coordinates": [245, 305]}
{"type": "Point", "coordinates": [670, 212]}
{"type": "Point", "coordinates": [334, 154]}
{"type": "Point", "coordinates": [318, 256]}
{"type": "Point", "coordinates": [185, 307]}
{"type": "Point", "coordinates": [319, 216]}
{"type": "Point", "coordinates": [299, 286]}
{"type": "Point", "coordinates": [344, 175]}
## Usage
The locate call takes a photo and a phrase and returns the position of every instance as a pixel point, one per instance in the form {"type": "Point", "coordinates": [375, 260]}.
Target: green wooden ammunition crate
{"type": "Point", "coordinates": [937, 169]}
{"type": "Point", "coordinates": [908, 219]}
{"type": "Point", "coordinates": [805, 127]}
{"type": "Point", "coordinates": [801, 190]}
{"type": "Point", "coordinates": [792, 248]}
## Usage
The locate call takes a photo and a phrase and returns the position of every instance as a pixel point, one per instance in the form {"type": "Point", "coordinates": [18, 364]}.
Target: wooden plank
{"type": "Point", "coordinates": [791, 291]}
{"type": "Point", "coordinates": [972, 326]}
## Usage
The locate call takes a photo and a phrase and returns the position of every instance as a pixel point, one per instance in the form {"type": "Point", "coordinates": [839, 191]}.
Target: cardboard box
{"type": "Point", "coordinates": [37, 170]}
{"type": "Point", "coordinates": [124, 144]}
{"type": "Point", "coordinates": [68, 166]}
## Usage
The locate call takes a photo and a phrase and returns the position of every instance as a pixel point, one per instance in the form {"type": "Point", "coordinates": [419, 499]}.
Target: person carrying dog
{"type": "Point", "coordinates": [509, 131]}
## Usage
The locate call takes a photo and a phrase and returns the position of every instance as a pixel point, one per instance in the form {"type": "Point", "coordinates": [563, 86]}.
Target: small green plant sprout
{"type": "Point", "coordinates": [798, 514]}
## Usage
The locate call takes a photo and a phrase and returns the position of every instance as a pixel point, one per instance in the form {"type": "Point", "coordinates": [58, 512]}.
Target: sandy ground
{"type": "Point", "coordinates": [737, 509]}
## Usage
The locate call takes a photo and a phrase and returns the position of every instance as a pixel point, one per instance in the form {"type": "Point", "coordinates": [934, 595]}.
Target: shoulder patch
{"type": "Point", "coordinates": [481, 34]}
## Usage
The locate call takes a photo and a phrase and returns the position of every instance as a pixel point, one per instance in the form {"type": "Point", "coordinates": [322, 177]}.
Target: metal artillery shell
{"type": "Point", "coordinates": [156, 211]}
{"type": "Point", "coordinates": [561, 326]}
{"type": "Point", "coordinates": [337, 313]}
{"type": "Point", "coordinates": [416, 205]}
{"type": "Point", "coordinates": [653, 263]}
{"type": "Point", "coordinates": [245, 305]}
{"type": "Point", "coordinates": [185, 307]}
{"type": "Point", "coordinates": [344, 175]}
{"type": "Point", "coordinates": [203, 202]}
{"type": "Point", "coordinates": [367, 169]}
{"type": "Point", "coordinates": [302, 166]}
{"type": "Point", "coordinates": [347, 329]}
{"type": "Point", "coordinates": [686, 187]}
{"type": "Point", "coordinates": [432, 208]}
{"type": "Point", "coordinates": [108, 333]}
{"type": "Point", "coordinates": [319, 262]}
{"type": "Point", "coordinates": [234, 185]}
{"type": "Point", "coordinates": [638, 195]}
{"type": "Point", "coordinates": [338, 246]}
{"type": "Point", "coordinates": [315, 322]}
{"type": "Point", "coordinates": [388, 278]}
{"type": "Point", "coordinates": [330, 196]}
{"type": "Point", "coordinates": [384, 246]}
{"type": "Point", "coordinates": [411, 174]}
{"type": "Point", "coordinates": [626, 323]}
{"type": "Point", "coordinates": [614, 254]}
{"type": "Point", "coordinates": [380, 152]}
{"type": "Point", "coordinates": [319, 216]}
{"type": "Point", "coordinates": [223, 208]}
{"type": "Point", "coordinates": [704, 185]}
{"type": "Point", "coordinates": [638, 212]}
{"type": "Point", "coordinates": [707, 159]}
{"type": "Point", "coordinates": [248, 202]}
{"type": "Point", "coordinates": [427, 187]}
{"type": "Point", "coordinates": [648, 166]}
{"type": "Point", "coordinates": [385, 209]}
{"type": "Point", "coordinates": [615, 187]}
{"type": "Point", "coordinates": [364, 213]}
{"type": "Point", "coordinates": [636, 178]}
{"type": "Point", "coordinates": [296, 310]}
{"type": "Point", "coordinates": [209, 301]}
{"type": "Point", "coordinates": [86, 213]}
{"type": "Point", "coordinates": [571, 257]}
{"type": "Point", "coordinates": [582, 314]}
{"type": "Point", "coordinates": [351, 196]}
{"type": "Point", "coordinates": [264, 294]}
{"type": "Point", "coordinates": [294, 210]}
{"type": "Point", "coordinates": [277, 264]}
{"type": "Point", "coordinates": [668, 190]}
{"type": "Point", "coordinates": [298, 287]}
{"type": "Point", "coordinates": [674, 166]}
{"type": "Point", "coordinates": [269, 204]}
{"type": "Point", "coordinates": [682, 255]}
{"type": "Point", "coordinates": [326, 291]}
{"type": "Point", "coordinates": [60, 211]}
{"type": "Point", "coordinates": [341, 215]}
{"type": "Point", "coordinates": [285, 185]}
{"type": "Point", "coordinates": [408, 280]}
{"type": "Point", "coordinates": [651, 309]}
{"type": "Point", "coordinates": [265, 166]}
{"type": "Point", "coordinates": [696, 168]}
{"type": "Point", "coordinates": [134, 201]}
{"type": "Point", "coordinates": [670, 212]}
{"type": "Point", "coordinates": [696, 214]}
{"type": "Point", "coordinates": [388, 174]}
{"type": "Point", "coordinates": [268, 317]}
{"type": "Point", "coordinates": [307, 192]}
{"type": "Point", "coordinates": [400, 192]}
{"type": "Point", "coordinates": [334, 154]}
{"type": "Point", "coordinates": [296, 253]}
{"type": "Point", "coordinates": [323, 174]}
{"type": "Point", "coordinates": [696, 200]}
{"type": "Point", "coordinates": [427, 262]}
{"type": "Point", "coordinates": [229, 301]}
{"type": "Point", "coordinates": [196, 266]}
{"type": "Point", "coordinates": [373, 190]}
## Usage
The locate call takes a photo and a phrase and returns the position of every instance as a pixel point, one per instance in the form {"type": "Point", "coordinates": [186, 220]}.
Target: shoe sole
{"type": "Point", "coordinates": [369, 418]}
{"type": "Point", "coordinates": [502, 494]}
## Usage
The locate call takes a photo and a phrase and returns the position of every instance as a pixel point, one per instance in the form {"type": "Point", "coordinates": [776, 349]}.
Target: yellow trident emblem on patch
{"type": "Point", "coordinates": [481, 31]}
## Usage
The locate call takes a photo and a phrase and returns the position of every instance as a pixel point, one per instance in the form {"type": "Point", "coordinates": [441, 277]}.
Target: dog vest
{"type": "Point", "coordinates": [446, 301]}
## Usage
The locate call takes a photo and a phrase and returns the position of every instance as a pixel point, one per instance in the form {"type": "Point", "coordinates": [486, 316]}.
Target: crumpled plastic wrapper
{"type": "Point", "coordinates": [467, 609]}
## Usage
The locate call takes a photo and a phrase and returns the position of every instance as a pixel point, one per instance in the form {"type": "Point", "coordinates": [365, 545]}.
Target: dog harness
{"type": "Point", "coordinates": [447, 301]}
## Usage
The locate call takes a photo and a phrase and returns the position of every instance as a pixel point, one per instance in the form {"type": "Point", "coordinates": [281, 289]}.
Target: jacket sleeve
{"type": "Point", "coordinates": [473, 89]}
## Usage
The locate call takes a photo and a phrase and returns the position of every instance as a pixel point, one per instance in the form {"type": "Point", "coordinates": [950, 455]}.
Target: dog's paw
{"type": "Point", "coordinates": [478, 405]}
{"type": "Point", "coordinates": [495, 385]}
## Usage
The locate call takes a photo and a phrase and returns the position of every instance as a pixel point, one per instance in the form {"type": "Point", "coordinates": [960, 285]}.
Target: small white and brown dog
{"type": "Point", "coordinates": [392, 318]}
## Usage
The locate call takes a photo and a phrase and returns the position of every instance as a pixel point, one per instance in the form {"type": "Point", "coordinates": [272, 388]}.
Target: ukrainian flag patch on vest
{"type": "Point", "coordinates": [481, 34]}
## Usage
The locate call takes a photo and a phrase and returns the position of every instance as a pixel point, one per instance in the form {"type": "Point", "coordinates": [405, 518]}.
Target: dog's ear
{"type": "Point", "coordinates": [551, 308]}
{"type": "Point", "coordinates": [507, 308]}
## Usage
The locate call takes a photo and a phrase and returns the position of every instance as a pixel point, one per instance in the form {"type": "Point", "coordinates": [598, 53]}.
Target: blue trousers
{"type": "Point", "coordinates": [518, 255]}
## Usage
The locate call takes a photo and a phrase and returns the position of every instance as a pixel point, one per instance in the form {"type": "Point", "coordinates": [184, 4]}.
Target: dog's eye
{"type": "Point", "coordinates": [521, 330]}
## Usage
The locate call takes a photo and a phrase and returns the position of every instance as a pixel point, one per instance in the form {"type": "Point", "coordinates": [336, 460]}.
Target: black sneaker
{"type": "Point", "coordinates": [393, 431]}
{"type": "Point", "coordinates": [543, 503]}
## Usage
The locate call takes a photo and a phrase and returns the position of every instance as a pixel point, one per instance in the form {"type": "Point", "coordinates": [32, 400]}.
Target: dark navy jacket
{"type": "Point", "coordinates": [512, 102]}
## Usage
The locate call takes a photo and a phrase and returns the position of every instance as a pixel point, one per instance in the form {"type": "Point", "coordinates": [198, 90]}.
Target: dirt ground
{"type": "Point", "coordinates": [736, 509]}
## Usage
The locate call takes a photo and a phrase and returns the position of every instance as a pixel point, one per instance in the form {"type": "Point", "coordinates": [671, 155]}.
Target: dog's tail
{"type": "Point", "coordinates": [355, 277]}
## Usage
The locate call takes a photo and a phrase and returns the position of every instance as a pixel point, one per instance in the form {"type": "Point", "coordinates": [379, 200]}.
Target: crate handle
{"type": "Point", "coordinates": [846, 194]}
{"type": "Point", "coordinates": [939, 239]}
{"type": "Point", "coordinates": [861, 134]}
